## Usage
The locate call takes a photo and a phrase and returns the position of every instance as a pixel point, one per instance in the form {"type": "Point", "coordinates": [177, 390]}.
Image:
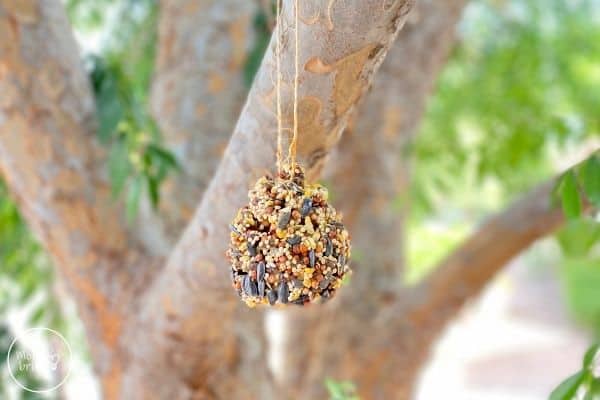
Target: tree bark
{"type": "Point", "coordinates": [54, 168]}
{"type": "Point", "coordinates": [198, 92]}
{"type": "Point", "coordinates": [369, 170]}
{"type": "Point", "coordinates": [188, 344]}
{"type": "Point", "coordinates": [373, 154]}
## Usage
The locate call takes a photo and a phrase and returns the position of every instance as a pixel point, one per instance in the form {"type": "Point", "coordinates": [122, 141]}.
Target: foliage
{"type": "Point", "coordinates": [579, 240]}
{"type": "Point", "coordinates": [27, 274]}
{"type": "Point", "coordinates": [422, 255]}
{"type": "Point", "coordinates": [529, 102]}
{"type": "Point", "coordinates": [341, 390]}
{"type": "Point", "coordinates": [27, 378]}
{"type": "Point", "coordinates": [26, 282]}
{"type": "Point", "coordinates": [263, 36]}
{"type": "Point", "coordinates": [121, 77]}
{"type": "Point", "coordinates": [584, 384]}
{"type": "Point", "coordinates": [136, 159]}
{"type": "Point", "coordinates": [582, 181]}
{"type": "Point", "coordinates": [528, 68]}
{"type": "Point", "coordinates": [581, 279]}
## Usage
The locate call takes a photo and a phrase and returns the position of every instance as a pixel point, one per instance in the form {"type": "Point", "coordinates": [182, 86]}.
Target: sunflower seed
{"type": "Point", "coordinates": [252, 248]}
{"type": "Point", "coordinates": [306, 207]}
{"type": "Point", "coordinates": [324, 283]}
{"type": "Point", "coordinates": [330, 263]}
{"type": "Point", "coordinates": [328, 247]}
{"type": "Point", "coordinates": [253, 288]}
{"type": "Point", "coordinates": [284, 219]}
{"type": "Point", "coordinates": [300, 300]}
{"type": "Point", "coordinates": [261, 288]}
{"type": "Point", "coordinates": [342, 261]}
{"type": "Point", "coordinates": [311, 258]}
{"type": "Point", "coordinates": [246, 285]}
{"type": "Point", "coordinates": [260, 271]}
{"type": "Point", "coordinates": [272, 296]}
{"type": "Point", "coordinates": [233, 229]}
{"type": "Point", "coordinates": [294, 240]}
{"type": "Point", "coordinates": [283, 293]}
{"type": "Point", "coordinates": [298, 283]}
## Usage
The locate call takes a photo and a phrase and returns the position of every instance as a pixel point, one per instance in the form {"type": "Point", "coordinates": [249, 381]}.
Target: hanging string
{"type": "Point", "coordinates": [278, 84]}
{"type": "Point", "coordinates": [294, 142]}
{"type": "Point", "coordinates": [290, 161]}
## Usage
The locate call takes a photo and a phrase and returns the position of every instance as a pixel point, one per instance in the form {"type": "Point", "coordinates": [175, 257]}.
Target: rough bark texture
{"type": "Point", "coordinates": [197, 94]}
{"type": "Point", "coordinates": [368, 172]}
{"type": "Point", "coordinates": [372, 156]}
{"type": "Point", "coordinates": [190, 312]}
{"type": "Point", "coordinates": [53, 166]}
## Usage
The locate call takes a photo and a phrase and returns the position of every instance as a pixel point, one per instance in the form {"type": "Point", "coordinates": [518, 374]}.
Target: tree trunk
{"type": "Point", "coordinates": [197, 94]}
{"type": "Point", "coordinates": [53, 166]}
{"type": "Point", "coordinates": [369, 172]}
{"type": "Point", "coordinates": [188, 343]}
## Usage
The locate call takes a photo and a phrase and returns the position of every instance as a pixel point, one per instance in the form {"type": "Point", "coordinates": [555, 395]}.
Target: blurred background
{"type": "Point", "coordinates": [517, 102]}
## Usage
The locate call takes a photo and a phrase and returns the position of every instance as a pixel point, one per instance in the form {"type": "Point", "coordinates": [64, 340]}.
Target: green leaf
{"type": "Point", "coordinates": [255, 56]}
{"type": "Point", "coordinates": [593, 390]}
{"type": "Point", "coordinates": [119, 166]}
{"type": "Point", "coordinates": [38, 316]}
{"type": "Point", "coordinates": [569, 196]}
{"type": "Point", "coordinates": [590, 355]}
{"type": "Point", "coordinates": [165, 156]}
{"type": "Point", "coordinates": [134, 192]}
{"type": "Point", "coordinates": [153, 190]}
{"type": "Point", "coordinates": [581, 279]}
{"type": "Point", "coordinates": [342, 390]}
{"type": "Point", "coordinates": [568, 388]}
{"type": "Point", "coordinates": [578, 237]}
{"type": "Point", "coordinates": [590, 177]}
{"type": "Point", "coordinates": [334, 389]}
{"type": "Point", "coordinates": [109, 109]}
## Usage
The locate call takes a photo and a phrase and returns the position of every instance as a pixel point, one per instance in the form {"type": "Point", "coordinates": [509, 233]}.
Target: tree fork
{"type": "Point", "coordinates": [190, 311]}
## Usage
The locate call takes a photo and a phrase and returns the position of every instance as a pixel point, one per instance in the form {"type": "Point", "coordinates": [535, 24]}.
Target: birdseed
{"type": "Point", "coordinates": [288, 245]}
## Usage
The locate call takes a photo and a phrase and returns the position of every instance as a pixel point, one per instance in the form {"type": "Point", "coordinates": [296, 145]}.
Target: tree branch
{"type": "Point", "coordinates": [197, 94]}
{"type": "Point", "coordinates": [53, 166]}
{"type": "Point", "coordinates": [341, 46]}
{"type": "Point", "coordinates": [412, 323]}
{"type": "Point", "coordinates": [369, 171]}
